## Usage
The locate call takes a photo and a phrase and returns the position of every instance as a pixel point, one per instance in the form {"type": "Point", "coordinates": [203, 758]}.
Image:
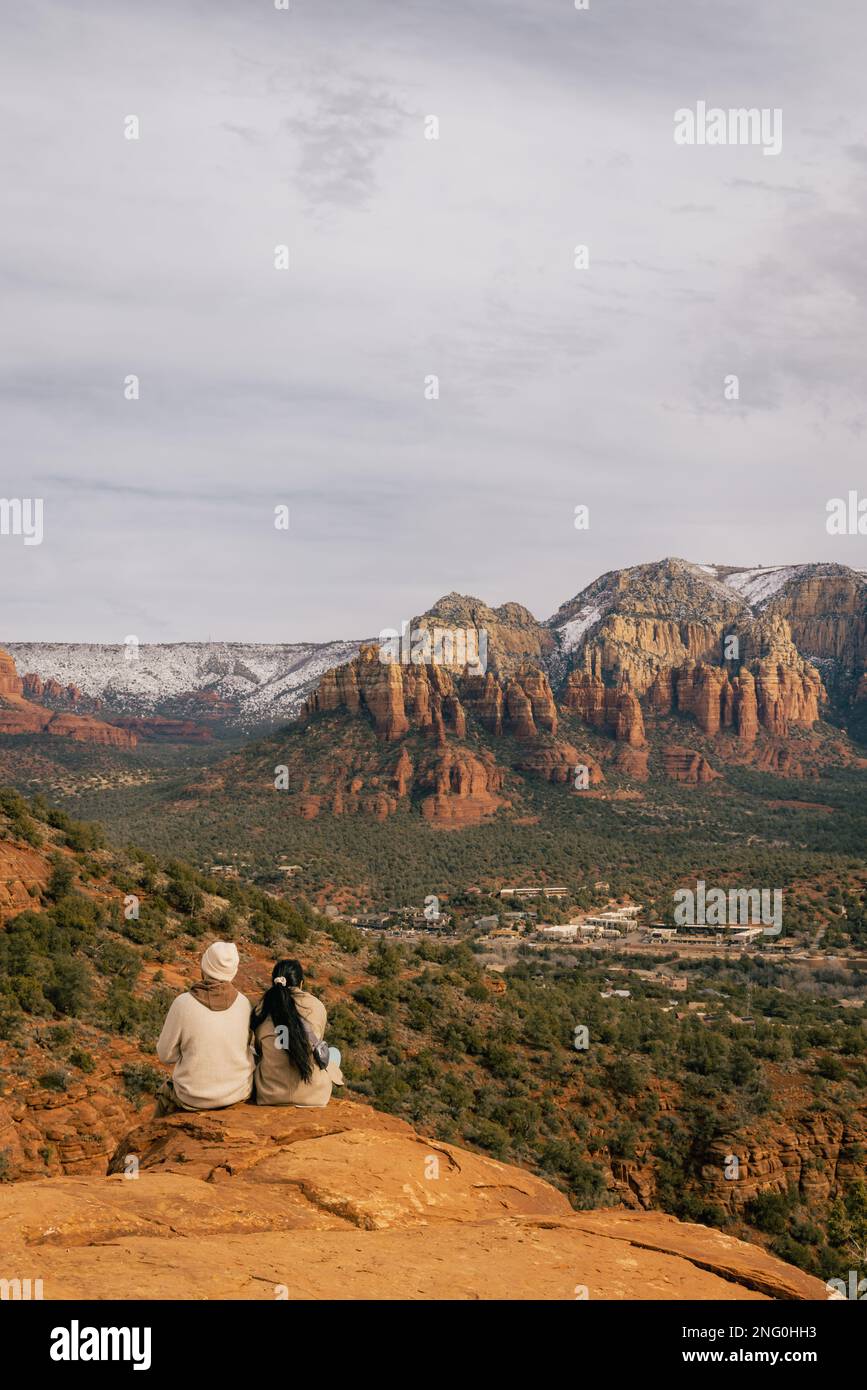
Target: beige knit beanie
{"type": "Point", "coordinates": [220, 961]}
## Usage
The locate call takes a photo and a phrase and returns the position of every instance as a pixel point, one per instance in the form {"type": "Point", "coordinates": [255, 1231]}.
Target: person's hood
{"type": "Point", "coordinates": [215, 994]}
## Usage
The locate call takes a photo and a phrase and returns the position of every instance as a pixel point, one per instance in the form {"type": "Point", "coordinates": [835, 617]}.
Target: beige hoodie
{"type": "Point", "coordinates": [211, 1051]}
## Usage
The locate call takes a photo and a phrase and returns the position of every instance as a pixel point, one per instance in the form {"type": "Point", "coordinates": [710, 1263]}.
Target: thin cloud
{"type": "Point", "coordinates": [340, 140]}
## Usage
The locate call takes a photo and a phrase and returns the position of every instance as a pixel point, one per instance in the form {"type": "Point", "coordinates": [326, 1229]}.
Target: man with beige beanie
{"type": "Point", "coordinates": [206, 1037]}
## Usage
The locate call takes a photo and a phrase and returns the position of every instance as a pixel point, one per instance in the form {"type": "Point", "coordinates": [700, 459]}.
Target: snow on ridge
{"type": "Point", "coordinates": [710, 576]}
{"type": "Point", "coordinates": [572, 631]}
{"type": "Point", "coordinates": [758, 586]}
{"type": "Point", "coordinates": [264, 680]}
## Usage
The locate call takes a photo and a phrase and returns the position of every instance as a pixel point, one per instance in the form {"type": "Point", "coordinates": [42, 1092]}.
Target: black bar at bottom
{"type": "Point", "coordinates": [63, 1339]}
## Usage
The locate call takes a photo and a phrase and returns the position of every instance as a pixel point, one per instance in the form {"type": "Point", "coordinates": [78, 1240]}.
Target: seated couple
{"type": "Point", "coordinates": [221, 1047]}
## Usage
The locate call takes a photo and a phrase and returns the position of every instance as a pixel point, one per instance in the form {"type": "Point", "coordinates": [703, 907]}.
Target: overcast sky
{"type": "Point", "coordinates": [412, 257]}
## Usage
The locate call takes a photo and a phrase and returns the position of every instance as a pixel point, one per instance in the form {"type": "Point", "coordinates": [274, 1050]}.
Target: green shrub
{"type": "Point", "coordinates": [54, 1081]}
{"type": "Point", "coordinates": [69, 987]}
{"type": "Point", "coordinates": [140, 1080]}
{"type": "Point", "coordinates": [11, 1019]}
{"type": "Point", "coordinates": [76, 913]}
{"type": "Point", "coordinates": [119, 961]}
{"type": "Point", "coordinates": [84, 1061]}
{"type": "Point", "coordinates": [585, 1181]}
{"type": "Point", "coordinates": [61, 878]}
{"type": "Point", "coordinates": [830, 1067]}
{"type": "Point", "coordinates": [184, 896]}
{"type": "Point", "coordinates": [626, 1077]}
{"type": "Point", "coordinates": [769, 1212]}
{"type": "Point", "coordinates": [487, 1134]}
{"type": "Point", "coordinates": [348, 938]}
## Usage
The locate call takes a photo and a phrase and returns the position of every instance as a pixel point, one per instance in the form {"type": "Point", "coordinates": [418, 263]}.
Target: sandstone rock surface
{"type": "Point", "coordinates": [347, 1202]}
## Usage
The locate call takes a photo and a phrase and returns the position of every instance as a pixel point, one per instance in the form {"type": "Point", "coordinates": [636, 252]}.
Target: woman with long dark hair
{"type": "Point", "coordinates": [296, 1066]}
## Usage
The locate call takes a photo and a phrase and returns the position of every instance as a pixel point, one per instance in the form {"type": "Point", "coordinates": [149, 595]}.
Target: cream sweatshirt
{"type": "Point", "coordinates": [211, 1052]}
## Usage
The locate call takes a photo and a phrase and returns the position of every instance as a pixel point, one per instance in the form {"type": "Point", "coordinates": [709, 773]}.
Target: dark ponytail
{"type": "Point", "coordinates": [278, 1004]}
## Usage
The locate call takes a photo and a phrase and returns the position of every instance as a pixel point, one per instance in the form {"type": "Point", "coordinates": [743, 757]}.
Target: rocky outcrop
{"type": "Point", "coordinates": [650, 618]}
{"type": "Point", "coordinates": [661, 693]}
{"type": "Point", "coordinates": [403, 773]}
{"type": "Point", "coordinates": [825, 607]}
{"type": "Point", "coordinates": [45, 1133]}
{"type": "Point", "coordinates": [338, 689]}
{"type": "Point", "coordinates": [654, 643]}
{"type": "Point", "coordinates": [811, 1155]}
{"type": "Point", "coordinates": [615, 710]}
{"type": "Point", "coordinates": [157, 729]}
{"type": "Point", "coordinates": [705, 693]}
{"type": "Point", "coordinates": [686, 643]}
{"type": "Point", "coordinates": [459, 788]}
{"type": "Point", "coordinates": [746, 714]}
{"type": "Point", "coordinates": [21, 716]}
{"type": "Point", "coordinates": [24, 718]}
{"type": "Point", "coordinates": [814, 1154]}
{"type": "Point", "coordinates": [789, 689]}
{"type": "Point", "coordinates": [396, 696]}
{"type": "Point", "coordinates": [557, 761]}
{"type": "Point", "coordinates": [629, 726]}
{"type": "Point", "coordinates": [380, 687]}
{"type": "Point", "coordinates": [538, 691]}
{"type": "Point", "coordinates": [634, 649]}
{"type": "Point", "coordinates": [786, 697]}
{"type": "Point", "coordinates": [774, 696]}
{"type": "Point", "coordinates": [858, 718]}
{"type": "Point", "coordinates": [458, 785]}
{"type": "Point", "coordinates": [519, 711]}
{"type": "Point", "coordinates": [23, 871]}
{"type": "Point", "coordinates": [777, 690]}
{"type": "Point", "coordinates": [10, 684]}
{"type": "Point", "coordinates": [50, 691]}
{"type": "Point", "coordinates": [686, 765]}
{"type": "Point", "coordinates": [483, 696]}
{"type": "Point", "coordinates": [349, 1203]}
{"type": "Point", "coordinates": [509, 636]}
{"type": "Point", "coordinates": [633, 762]}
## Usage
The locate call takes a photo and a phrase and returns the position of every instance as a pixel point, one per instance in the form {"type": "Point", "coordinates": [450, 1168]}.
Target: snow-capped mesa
{"type": "Point", "coordinates": [633, 621]}
{"type": "Point", "coordinates": [769, 586]}
{"type": "Point", "coordinates": [248, 683]}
